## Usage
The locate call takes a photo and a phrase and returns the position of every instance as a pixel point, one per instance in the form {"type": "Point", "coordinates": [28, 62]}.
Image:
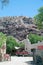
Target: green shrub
{"type": "Point", "coordinates": [2, 39]}
{"type": "Point", "coordinates": [11, 43]}
{"type": "Point", "coordinates": [21, 45]}
{"type": "Point", "coordinates": [34, 38]}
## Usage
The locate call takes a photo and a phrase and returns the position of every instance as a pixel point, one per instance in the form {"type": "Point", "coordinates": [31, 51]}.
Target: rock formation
{"type": "Point", "coordinates": [18, 26]}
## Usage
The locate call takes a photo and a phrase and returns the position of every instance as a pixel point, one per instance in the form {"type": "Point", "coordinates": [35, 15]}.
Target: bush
{"type": "Point", "coordinates": [21, 45]}
{"type": "Point", "coordinates": [2, 39]}
{"type": "Point", "coordinates": [11, 43]}
{"type": "Point", "coordinates": [34, 38]}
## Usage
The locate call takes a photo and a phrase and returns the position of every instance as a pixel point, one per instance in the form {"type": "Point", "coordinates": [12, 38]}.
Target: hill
{"type": "Point", "coordinates": [18, 26]}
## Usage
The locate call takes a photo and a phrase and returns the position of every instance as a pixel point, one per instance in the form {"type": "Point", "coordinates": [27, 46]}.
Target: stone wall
{"type": "Point", "coordinates": [29, 46]}
{"type": "Point", "coordinates": [2, 52]}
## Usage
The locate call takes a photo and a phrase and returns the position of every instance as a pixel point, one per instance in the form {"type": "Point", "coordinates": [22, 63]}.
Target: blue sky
{"type": "Point", "coordinates": [21, 8]}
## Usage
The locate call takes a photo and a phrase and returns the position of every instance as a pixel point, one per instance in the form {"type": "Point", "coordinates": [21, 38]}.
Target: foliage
{"type": "Point", "coordinates": [4, 2]}
{"type": "Point", "coordinates": [34, 38]}
{"type": "Point", "coordinates": [21, 45]}
{"type": "Point", "coordinates": [39, 18]}
{"type": "Point", "coordinates": [2, 39]}
{"type": "Point", "coordinates": [11, 43]}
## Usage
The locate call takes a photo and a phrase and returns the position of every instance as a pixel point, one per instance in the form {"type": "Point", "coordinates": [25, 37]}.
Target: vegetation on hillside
{"type": "Point", "coordinates": [34, 38]}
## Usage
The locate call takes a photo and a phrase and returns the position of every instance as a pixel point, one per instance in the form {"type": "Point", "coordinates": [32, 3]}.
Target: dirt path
{"type": "Point", "coordinates": [18, 61]}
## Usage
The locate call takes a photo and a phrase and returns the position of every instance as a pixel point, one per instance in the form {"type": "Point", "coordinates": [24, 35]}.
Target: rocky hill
{"type": "Point", "coordinates": [18, 26]}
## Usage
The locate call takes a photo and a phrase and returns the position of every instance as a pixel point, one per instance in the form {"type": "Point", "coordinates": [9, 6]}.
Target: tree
{"type": "Point", "coordinates": [2, 39]}
{"type": "Point", "coordinates": [34, 38]}
{"type": "Point", "coordinates": [21, 45]}
{"type": "Point", "coordinates": [11, 43]}
{"type": "Point", "coordinates": [4, 2]}
{"type": "Point", "coordinates": [39, 18]}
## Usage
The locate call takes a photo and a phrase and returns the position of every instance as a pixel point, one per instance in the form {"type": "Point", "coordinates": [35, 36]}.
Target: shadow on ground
{"type": "Point", "coordinates": [32, 63]}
